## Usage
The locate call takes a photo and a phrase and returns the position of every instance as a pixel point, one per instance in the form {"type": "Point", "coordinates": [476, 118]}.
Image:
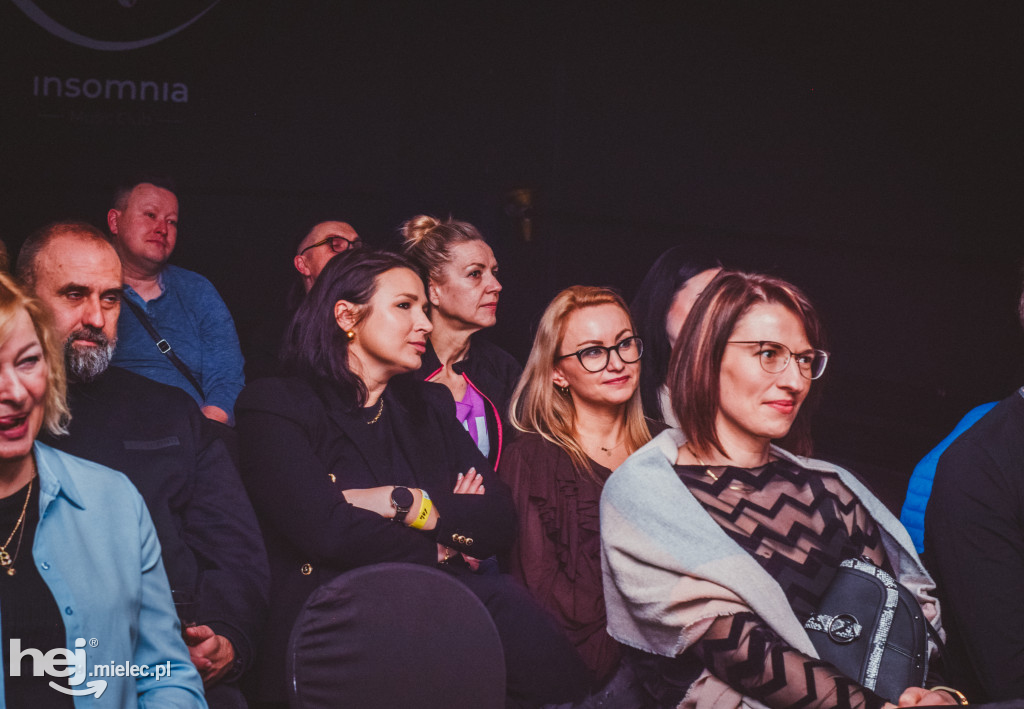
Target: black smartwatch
{"type": "Point", "coordinates": [401, 500]}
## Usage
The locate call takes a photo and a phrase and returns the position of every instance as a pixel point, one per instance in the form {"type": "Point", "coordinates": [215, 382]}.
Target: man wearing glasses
{"type": "Point", "coordinates": [324, 241]}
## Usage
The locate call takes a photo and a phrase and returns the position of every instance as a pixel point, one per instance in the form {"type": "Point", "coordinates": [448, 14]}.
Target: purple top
{"type": "Point", "coordinates": [472, 414]}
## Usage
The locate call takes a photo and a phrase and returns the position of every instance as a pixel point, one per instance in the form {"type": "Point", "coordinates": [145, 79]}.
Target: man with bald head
{"type": "Point", "coordinates": [156, 435]}
{"type": "Point", "coordinates": [323, 242]}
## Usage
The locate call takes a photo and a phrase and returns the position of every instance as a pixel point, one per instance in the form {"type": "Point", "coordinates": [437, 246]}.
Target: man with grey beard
{"type": "Point", "coordinates": [86, 363]}
{"type": "Point", "coordinates": [158, 437]}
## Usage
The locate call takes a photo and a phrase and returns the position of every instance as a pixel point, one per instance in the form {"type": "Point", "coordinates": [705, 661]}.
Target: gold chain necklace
{"type": "Point", "coordinates": [380, 411]}
{"type": "Point", "coordinates": [608, 451]}
{"type": "Point", "coordinates": [739, 487]}
{"type": "Point", "coordinates": [6, 560]}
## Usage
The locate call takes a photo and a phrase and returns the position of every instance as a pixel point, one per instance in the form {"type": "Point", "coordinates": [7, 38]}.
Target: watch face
{"type": "Point", "coordinates": [401, 498]}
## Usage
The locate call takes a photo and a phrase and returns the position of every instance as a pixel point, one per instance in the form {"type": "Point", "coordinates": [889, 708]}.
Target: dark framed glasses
{"type": "Point", "coordinates": [338, 244]}
{"type": "Point", "coordinates": [774, 357]}
{"type": "Point", "coordinates": [596, 357]}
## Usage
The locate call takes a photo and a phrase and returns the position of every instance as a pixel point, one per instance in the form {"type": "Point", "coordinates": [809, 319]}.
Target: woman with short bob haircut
{"type": "Point", "coordinates": [81, 557]}
{"type": "Point", "coordinates": [352, 461]}
{"type": "Point", "coordinates": [718, 542]}
{"type": "Point", "coordinates": [578, 406]}
{"type": "Point", "coordinates": [694, 376]}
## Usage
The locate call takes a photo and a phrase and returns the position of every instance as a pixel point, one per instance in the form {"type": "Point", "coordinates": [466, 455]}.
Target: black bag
{"type": "Point", "coordinates": [872, 629]}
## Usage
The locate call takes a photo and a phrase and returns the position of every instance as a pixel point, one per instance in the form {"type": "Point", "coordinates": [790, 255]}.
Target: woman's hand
{"type": "Point", "coordinates": [378, 500]}
{"type": "Point", "coordinates": [919, 696]}
{"type": "Point", "coordinates": [472, 483]}
{"type": "Point", "coordinates": [373, 499]}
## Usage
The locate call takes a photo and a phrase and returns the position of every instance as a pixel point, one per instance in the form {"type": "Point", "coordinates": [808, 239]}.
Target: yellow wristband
{"type": "Point", "coordinates": [421, 517]}
{"type": "Point", "coordinates": [957, 694]}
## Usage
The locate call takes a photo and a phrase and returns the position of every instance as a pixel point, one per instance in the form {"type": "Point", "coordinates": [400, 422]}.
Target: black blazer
{"type": "Point", "coordinates": [301, 445]}
{"type": "Point", "coordinates": [157, 436]}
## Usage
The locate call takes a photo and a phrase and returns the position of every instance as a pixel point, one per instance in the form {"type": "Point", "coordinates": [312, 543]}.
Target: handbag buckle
{"type": "Point", "coordinates": [844, 629]}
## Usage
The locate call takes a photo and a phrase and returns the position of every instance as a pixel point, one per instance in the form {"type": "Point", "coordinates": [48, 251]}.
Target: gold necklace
{"type": "Point", "coordinates": [380, 411]}
{"type": "Point", "coordinates": [6, 560]}
{"type": "Point", "coordinates": [608, 451]}
{"type": "Point", "coordinates": [739, 487]}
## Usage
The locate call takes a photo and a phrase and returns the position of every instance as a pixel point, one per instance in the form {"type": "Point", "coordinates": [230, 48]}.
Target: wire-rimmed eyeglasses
{"type": "Point", "coordinates": [774, 357]}
{"type": "Point", "coordinates": [596, 357]}
{"type": "Point", "coordinates": [338, 244]}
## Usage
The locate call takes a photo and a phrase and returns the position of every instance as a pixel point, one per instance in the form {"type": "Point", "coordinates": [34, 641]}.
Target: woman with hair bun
{"type": "Point", "coordinates": [463, 289]}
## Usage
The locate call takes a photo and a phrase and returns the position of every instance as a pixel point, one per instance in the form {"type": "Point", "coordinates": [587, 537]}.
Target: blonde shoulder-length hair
{"type": "Point", "coordinates": [14, 300]}
{"type": "Point", "coordinates": [538, 406]}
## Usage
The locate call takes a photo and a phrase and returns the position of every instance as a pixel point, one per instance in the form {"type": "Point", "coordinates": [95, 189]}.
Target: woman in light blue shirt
{"type": "Point", "coordinates": [86, 615]}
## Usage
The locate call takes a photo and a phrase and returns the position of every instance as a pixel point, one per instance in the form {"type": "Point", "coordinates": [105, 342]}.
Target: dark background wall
{"type": "Point", "coordinates": [870, 153]}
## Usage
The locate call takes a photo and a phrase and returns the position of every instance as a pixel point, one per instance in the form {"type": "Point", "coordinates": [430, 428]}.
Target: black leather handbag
{"type": "Point", "coordinates": [872, 629]}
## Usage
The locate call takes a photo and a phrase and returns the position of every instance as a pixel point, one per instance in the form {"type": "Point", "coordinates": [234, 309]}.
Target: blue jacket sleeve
{"type": "Point", "coordinates": [920, 487]}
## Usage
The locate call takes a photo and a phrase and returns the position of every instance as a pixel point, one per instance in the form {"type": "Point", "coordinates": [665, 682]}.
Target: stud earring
{"type": "Point", "coordinates": [351, 334]}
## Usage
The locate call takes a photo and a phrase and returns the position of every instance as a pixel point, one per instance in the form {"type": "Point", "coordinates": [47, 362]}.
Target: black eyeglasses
{"type": "Point", "coordinates": [596, 357]}
{"type": "Point", "coordinates": [339, 244]}
{"type": "Point", "coordinates": [774, 357]}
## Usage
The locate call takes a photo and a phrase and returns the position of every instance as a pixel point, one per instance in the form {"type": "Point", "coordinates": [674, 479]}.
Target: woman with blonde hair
{"type": "Point", "coordinates": [81, 557]}
{"type": "Point", "coordinates": [578, 406]}
{"type": "Point", "coordinates": [463, 289]}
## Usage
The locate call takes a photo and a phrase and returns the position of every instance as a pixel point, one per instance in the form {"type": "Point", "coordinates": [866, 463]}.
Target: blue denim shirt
{"type": "Point", "coordinates": [98, 553]}
{"type": "Point", "coordinates": [191, 316]}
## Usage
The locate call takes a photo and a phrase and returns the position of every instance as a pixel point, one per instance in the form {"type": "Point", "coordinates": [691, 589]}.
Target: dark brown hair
{"type": "Point", "coordinates": [315, 346]}
{"type": "Point", "coordinates": [695, 368]}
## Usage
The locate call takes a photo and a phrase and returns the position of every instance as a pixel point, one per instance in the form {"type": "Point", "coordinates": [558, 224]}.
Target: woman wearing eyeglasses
{"type": "Point", "coordinates": [463, 289]}
{"type": "Point", "coordinates": [720, 539]}
{"type": "Point", "coordinates": [579, 409]}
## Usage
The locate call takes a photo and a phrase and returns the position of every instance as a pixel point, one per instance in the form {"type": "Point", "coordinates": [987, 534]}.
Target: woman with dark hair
{"type": "Point", "coordinates": [463, 289]}
{"type": "Point", "coordinates": [659, 309]}
{"type": "Point", "coordinates": [578, 407]}
{"type": "Point", "coordinates": [348, 463]}
{"type": "Point", "coordinates": [719, 544]}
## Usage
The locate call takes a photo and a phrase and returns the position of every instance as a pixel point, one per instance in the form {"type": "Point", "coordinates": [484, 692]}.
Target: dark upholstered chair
{"type": "Point", "coordinates": [395, 635]}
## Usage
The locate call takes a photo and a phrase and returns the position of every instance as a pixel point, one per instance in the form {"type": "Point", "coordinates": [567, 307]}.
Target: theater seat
{"type": "Point", "coordinates": [395, 635]}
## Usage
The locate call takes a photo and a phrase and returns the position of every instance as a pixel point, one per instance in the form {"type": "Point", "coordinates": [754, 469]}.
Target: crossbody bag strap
{"type": "Point", "coordinates": [163, 345]}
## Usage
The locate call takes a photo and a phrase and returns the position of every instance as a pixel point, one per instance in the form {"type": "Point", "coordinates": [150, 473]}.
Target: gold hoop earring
{"type": "Point", "coordinates": [564, 390]}
{"type": "Point", "coordinates": [351, 334]}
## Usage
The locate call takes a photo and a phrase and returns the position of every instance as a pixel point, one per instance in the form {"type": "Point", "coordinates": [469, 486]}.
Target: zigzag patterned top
{"type": "Point", "coordinates": [799, 525]}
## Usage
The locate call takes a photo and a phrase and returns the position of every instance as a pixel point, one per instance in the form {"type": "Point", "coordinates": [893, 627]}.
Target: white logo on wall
{"type": "Point", "coordinates": [178, 16]}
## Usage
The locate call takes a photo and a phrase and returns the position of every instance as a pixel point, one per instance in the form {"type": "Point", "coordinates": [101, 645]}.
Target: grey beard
{"type": "Point", "coordinates": [86, 363]}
